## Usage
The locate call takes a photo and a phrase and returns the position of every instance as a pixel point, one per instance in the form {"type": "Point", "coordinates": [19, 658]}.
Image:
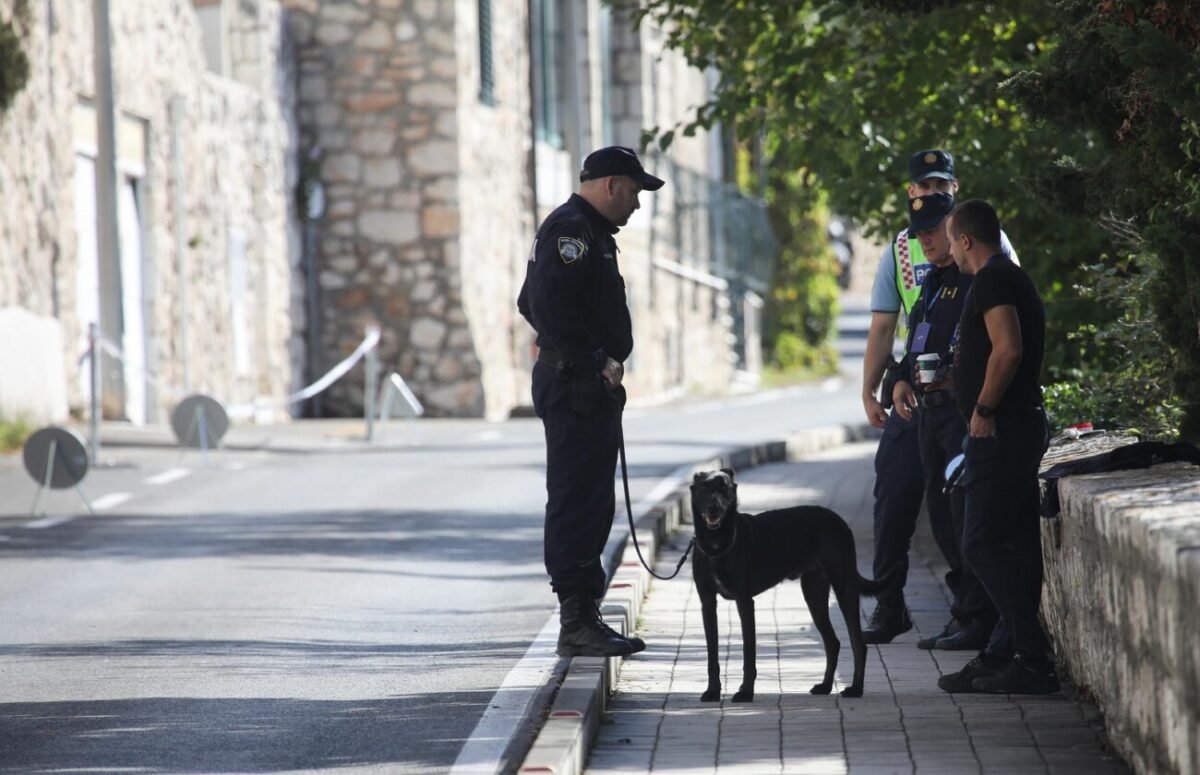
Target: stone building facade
{"type": "Point", "coordinates": [208, 240]}
{"type": "Point", "coordinates": [423, 140]}
{"type": "Point", "coordinates": [447, 130]}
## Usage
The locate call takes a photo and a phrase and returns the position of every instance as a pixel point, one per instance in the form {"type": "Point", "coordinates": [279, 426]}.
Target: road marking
{"type": "Point", "coordinates": [509, 706]}
{"type": "Point", "coordinates": [487, 436]}
{"type": "Point", "coordinates": [100, 504]}
{"type": "Point", "coordinates": [168, 476]}
{"type": "Point", "coordinates": [44, 522]}
{"type": "Point", "coordinates": [110, 500]}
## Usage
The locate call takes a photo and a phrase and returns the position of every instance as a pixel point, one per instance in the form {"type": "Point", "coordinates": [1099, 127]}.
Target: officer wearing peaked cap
{"type": "Point", "coordinates": [899, 479]}
{"type": "Point", "coordinates": [574, 297]}
{"type": "Point", "coordinates": [933, 329]}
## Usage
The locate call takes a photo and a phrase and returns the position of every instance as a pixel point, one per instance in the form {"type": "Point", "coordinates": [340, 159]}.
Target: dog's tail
{"type": "Point", "coordinates": [872, 587]}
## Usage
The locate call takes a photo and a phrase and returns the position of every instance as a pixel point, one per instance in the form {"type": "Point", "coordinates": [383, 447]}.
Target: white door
{"type": "Point", "coordinates": [133, 343]}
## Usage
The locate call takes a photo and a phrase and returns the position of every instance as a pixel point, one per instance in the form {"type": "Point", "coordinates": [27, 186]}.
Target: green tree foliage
{"type": "Point", "coordinates": [804, 293]}
{"type": "Point", "coordinates": [1077, 120]}
{"type": "Point", "coordinates": [1128, 73]}
{"type": "Point", "coordinates": [14, 65]}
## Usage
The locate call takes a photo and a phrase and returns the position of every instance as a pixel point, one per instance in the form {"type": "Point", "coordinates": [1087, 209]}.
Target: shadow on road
{"type": "Point", "coordinates": [444, 536]}
{"type": "Point", "coordinates": [176, 734]}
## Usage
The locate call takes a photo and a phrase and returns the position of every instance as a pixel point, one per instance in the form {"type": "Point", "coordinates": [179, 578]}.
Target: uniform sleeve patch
{"type": "Point", "coordinates": [570, 249]}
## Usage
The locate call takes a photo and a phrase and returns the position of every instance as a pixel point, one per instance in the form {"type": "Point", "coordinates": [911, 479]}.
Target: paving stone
{"type": "Point", "coordinates": [902, 724]}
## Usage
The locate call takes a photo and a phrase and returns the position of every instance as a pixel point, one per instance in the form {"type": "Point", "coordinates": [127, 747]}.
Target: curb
{"type": "Point", "coordinates": [562, 744]}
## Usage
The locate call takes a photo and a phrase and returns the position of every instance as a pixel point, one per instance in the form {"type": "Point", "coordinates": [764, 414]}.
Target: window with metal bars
{"type": "Point", "coordinates": [487, 75]}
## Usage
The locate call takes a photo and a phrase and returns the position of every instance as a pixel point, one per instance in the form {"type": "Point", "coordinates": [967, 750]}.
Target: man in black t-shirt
{"type": "Point", "coordinates": [997, 363]}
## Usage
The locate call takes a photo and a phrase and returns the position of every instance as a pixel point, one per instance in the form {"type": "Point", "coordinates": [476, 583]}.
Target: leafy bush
{"type": "Point", "coordinates": [13, 433]}
{"type": "Point", "coordinates": [14, 65]}
{"type": "Point", "coordinates": [1124, 377]}
{"type": "Point", "coordinates": [803, 302]}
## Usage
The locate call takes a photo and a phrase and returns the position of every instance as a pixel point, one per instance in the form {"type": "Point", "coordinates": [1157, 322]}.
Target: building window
{"type": "Point", "coordinates": [487, 75]}
{"type": "Point", "coordinates": [214, 34]}
{"type": "Point", "coordinates": [545, 34]}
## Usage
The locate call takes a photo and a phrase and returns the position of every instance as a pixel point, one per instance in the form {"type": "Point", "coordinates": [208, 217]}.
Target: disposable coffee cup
{"type": "Point", "coordinates": [927, 364]}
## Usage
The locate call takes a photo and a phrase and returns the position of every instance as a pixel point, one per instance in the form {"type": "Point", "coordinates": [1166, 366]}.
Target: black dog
{"type": "Point", "coordinates": [739, 555]}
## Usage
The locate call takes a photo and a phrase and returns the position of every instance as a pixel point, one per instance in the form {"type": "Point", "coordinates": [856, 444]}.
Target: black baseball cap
{"type": "Point", "coordinates": [928, 211]}
{"type": "Point", "coordinates": [933, 163]}
{"type": "Point", "coordinates": [617, 160]}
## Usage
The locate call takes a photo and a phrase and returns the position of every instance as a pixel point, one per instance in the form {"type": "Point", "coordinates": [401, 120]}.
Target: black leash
{"type": "Point", "coordinates": [629, 509]}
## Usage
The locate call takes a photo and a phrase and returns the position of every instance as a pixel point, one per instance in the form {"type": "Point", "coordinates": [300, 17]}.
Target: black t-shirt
{"type": "Point", "coordinates": [1000, 283]}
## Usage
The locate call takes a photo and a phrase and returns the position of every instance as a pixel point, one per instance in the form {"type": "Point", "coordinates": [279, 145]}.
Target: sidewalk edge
{"type": "Point", "coordinates": [562, 744]}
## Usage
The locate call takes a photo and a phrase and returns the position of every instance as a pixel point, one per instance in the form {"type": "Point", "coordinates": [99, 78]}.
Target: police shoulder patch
{"type": "Point", "coordinates": [570, 249]}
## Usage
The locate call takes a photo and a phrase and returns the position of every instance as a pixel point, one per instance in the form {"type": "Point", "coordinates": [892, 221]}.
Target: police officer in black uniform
{"type": "Point", "coordinates": [933, 329]}
{"type": "Point", "coordinates": [574, 297]}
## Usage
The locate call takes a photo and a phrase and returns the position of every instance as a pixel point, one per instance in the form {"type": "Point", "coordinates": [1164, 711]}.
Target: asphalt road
{"type": "Point", "coordinates": [352, 608]}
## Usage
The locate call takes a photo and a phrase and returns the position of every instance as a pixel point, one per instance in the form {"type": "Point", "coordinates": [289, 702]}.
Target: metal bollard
{"type": "Point", "coordinates": [94, 398]}
{"type": "Point", "coordinates": [371, 385]}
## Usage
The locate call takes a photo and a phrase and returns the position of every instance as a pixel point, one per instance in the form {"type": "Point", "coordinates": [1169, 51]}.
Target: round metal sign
{"type": "Point", "coordinates": [199, 421]}
{"type": "Point", "coordinates": [59, 452]}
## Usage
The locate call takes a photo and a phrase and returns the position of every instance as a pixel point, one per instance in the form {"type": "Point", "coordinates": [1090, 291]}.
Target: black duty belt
{"type": "Point", "coordinates": [552, 358]}
{"type": "Point", "coordinates": [935, 398]}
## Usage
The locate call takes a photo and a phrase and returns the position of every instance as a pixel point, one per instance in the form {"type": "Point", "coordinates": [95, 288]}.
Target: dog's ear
{"type": "Point", "coordinates": [728, 472]}
{"type": "Point", "coordinates": [698, 477]}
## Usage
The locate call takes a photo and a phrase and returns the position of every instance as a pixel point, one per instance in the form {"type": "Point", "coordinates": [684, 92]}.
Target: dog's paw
{"type": "Point", "coordinates": [711, 695]}
{"type": "Point", "coordinates": [744, 695]}
{"type": "Point", "coordinates": [852, 691]}
{"type": "Point", "coordinates": [821, 689]}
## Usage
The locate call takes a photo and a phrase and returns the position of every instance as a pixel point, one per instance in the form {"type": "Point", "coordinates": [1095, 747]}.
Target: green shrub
{"type": "Point", "coordinates": [14, 65]}
{"type": "Point", "coordinates": [13, 433]}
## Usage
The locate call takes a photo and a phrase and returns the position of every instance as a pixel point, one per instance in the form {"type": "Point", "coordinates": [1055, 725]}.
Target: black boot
{"type": "Point", "coordinates": [634, 641]}
{"type": "Point", "coordinates": [581, 633]}
{"type": "Point", "coordinates": [886, 623]}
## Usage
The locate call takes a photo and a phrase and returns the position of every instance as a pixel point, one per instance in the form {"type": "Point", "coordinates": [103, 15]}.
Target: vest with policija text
{"type": "Point", "coordinates": [911, 268]}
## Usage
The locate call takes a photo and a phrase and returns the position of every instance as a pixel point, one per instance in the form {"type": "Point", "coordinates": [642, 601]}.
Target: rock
{"type": "Point", "coordinates": [438, 222]}
{"type": "Point", "coordinates": [376, 36]}
{"type": "Point", "coordinates": [384, 173]}
{"type": "Point", "coordinates": [427, 334]}
{"type": "Point", "coordinates": [391, 227]}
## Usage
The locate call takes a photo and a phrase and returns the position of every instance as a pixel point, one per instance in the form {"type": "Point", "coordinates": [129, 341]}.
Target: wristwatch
{"type": "Point", "coordinates": [986, 412]}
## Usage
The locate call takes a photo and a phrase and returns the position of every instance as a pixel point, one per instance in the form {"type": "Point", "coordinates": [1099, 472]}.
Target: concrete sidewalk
{"type": "Point", "coordinates": [903, 723]}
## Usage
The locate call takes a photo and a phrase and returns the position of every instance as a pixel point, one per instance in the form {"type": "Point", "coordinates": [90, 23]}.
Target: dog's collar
{"type": "Point", "coordinates": [724, 551]}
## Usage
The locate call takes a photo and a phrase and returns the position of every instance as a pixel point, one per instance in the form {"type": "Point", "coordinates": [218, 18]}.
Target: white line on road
{"type": "Point", "coordinates": [832, 385]}
{"type": "Point", "coordinates": [45, 522]}
{"type": "Point", "coordinates": [100, 504]}
{"type": "Point", "coordinates": [168, 476]}
{"type": "Point", "coordinates": [509, 706]}
{"type": "Point", "coordinates": [110, 500]}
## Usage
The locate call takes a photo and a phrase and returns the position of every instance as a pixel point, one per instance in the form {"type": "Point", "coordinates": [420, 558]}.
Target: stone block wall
{"type": "Point", "coordinates": [234, 143]}
{"type": "Point", "coordinates": [1122, 603]}
{"type": "Point", "coordinates": [381, 90]}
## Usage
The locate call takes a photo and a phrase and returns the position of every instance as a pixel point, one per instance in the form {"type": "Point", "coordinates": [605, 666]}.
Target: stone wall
{"type": "Point", "coordinates": [1121, 601]}
{"type": "Point", "coordinates": [496, 219]}
{"type": "Point", "coordinates": [234, 143]}
{"type": "Point", "coordinates": [379, 95]}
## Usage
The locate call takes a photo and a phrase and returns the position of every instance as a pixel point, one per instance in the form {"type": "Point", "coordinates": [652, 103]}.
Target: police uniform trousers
{"type": "Point", "coordinates": [941, 431]}
{"type": "Point", "coordinates": [1002, 530]}
{"type": "Point", "coordinates": [899, 485]}
{"type": "Point", "coordinates": [581, 458]}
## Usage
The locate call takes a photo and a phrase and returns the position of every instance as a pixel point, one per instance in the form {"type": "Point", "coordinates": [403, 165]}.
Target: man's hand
{"type": "Point", "coordinates": [982, 427]}
{"type": "Point", "coordinates": [876, 414]}
{"type": "Point", "coordinates": [905, 399]}
{"type": "Point", "coordinates": [612, 373]}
